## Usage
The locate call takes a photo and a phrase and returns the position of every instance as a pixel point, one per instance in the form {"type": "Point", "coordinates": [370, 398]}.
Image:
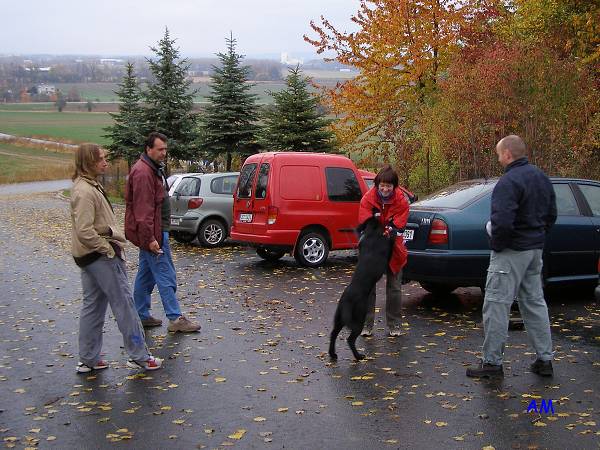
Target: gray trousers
{"type": "Point", "coordinates": [515, 273]}
{"type": "Point", "coordinates": [105, 281]}
{"type": "Point", "coordinates": [393, 302]}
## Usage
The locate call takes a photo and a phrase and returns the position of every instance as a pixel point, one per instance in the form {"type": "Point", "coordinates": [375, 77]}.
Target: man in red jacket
{"type": "Point", "coordinates": [386, 201]}
{"type": "Point", "coordinates": [147, 221]}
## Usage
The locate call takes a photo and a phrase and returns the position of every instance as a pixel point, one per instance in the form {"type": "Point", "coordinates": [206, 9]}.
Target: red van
{"type": "Point", "coordinates": [298, 202]}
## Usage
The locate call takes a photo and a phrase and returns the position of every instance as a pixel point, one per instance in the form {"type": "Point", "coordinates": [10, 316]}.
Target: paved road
{"type": "Point", "coordinates": [257, 376]}
{"type": "Point", "coordinates": [35, 187]}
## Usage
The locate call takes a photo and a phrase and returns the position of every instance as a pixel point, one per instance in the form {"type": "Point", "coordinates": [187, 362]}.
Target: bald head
{"type": "Point", "coordinates": [514, 144]}
{"type": "Point", "coordinates": [510, 148]}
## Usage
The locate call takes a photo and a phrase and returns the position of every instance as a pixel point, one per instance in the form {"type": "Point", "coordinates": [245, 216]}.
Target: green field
{"type": "Point", "coordinates": [48, 106]}
{"type": "Point", "coordinates": [63, 127]}
{"type": "Point", "coordinates": [28, 164]}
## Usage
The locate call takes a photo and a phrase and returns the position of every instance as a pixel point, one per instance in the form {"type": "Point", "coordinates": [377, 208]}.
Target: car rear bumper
{"type": "Point", "coordinates": [458, 269]}
{"type": "Point", "coordinates": [186, 223]}
{"type": "Point", "coordinates": [272, 238]}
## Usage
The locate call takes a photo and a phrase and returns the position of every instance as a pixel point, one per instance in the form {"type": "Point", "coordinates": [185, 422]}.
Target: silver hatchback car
{"type": "Point", "coordinates": [201, 206]}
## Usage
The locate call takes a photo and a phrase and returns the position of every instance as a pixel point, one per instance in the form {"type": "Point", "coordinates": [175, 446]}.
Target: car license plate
{"type": "Point", "coordinates": [175, 221]}
{"type": "Point", "coordinates": [408, 235]}
{"type": "Point", "coordinates": [245, 217]}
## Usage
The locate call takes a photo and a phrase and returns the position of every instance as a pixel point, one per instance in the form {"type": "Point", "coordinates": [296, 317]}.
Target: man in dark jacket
{"type": "Point", "coordinates": [523, 210]}
{"type": "Point", "coordinates": [147, 220]}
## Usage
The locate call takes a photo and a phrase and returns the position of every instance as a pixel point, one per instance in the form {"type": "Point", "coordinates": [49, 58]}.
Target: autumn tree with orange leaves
{"type": "Point", "coordinates": [400, 49]}
{"type": "Point", "coordinates": [440, 81]}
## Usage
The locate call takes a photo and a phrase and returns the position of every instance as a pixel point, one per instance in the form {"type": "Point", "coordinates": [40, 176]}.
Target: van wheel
{"type": "Point", "coordinates": [312, 249]}
{"type": "Point", "coordinates": [211, 233]}
{"type": "Point", "coordinates": [269, 254]}
{"type": "Point", "coordinates": [182, 238]}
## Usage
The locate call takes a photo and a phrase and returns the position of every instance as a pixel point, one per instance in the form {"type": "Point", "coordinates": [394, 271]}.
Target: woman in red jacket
{"type": "Point", "coordinates": [386, 201]}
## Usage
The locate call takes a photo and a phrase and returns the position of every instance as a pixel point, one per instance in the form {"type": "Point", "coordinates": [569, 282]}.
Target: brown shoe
{"type": "Point", "coordinates": [183, 325]}
{"type": "Point", "coordinates": [151, 322]}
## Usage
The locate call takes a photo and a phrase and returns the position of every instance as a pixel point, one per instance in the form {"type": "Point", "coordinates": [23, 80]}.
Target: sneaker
{"type": "Point", "coordinates": [485, 370]}
{"type": "Point", "coordinates": [542, 368]}
{"type": "Point", "coordinates": [84, 368]}
{"type": "Point", "coordinates": [367, 331]}
{"type": "Point", "coordinates": [151, 322]}
{"type": "Point", "coordinates": [183, 324]}
{"type": "Point", "coordinates": [394, 332]}
{"type": "Point", "coordinates": [153, 363]}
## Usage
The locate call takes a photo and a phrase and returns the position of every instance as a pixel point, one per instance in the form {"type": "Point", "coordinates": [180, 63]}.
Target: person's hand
{"type": "Point", "coordinates": [387, 231]}
{"type": "Point", "coordinates": [155, 248]}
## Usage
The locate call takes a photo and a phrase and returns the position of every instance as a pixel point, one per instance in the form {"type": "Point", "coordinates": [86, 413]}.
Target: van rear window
{"type": "Point", "coordinates": [300, 183]}
{"type": "Point", "coordinates": [342, 185]}
{"type": "Point", "coordinates": [261, 183]}
{"type": "Point", "coordinates": [246, 180]}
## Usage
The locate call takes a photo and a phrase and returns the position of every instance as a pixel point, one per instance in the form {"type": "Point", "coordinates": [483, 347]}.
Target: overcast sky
{"type": "Point", "coordinates": [129, 27]}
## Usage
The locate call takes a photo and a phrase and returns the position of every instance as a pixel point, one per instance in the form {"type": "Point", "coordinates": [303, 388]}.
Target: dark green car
{"type": "Point", "coordinates": [448, 246]}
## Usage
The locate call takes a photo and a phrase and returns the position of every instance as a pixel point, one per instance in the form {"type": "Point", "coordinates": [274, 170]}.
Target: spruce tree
{"type": "Point", "coordinates": [228, 124]}
{"type": "Point", "coordinates": [127, 134]}
{"type": "Point", "coordinates": [169, 101]}
{"type": "Point", "coordinates": [294, 122]}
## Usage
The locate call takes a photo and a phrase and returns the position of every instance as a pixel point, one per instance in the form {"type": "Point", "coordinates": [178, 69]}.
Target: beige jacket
{"type": "Point", "coordinates": [93, 220]}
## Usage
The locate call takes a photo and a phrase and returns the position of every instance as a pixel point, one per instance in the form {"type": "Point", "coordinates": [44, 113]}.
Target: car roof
{"type": "Point", "coordinates": [297, 156]}
{"type": "Point", "coordinates": [211, 175]}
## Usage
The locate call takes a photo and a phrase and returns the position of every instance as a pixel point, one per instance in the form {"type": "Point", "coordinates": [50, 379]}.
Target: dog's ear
{"type": "Point", "coordinates": [375, 212]}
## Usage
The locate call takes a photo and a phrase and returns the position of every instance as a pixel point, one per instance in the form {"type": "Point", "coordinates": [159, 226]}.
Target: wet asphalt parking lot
{"type": "Point", "coordinates": [258, 375]}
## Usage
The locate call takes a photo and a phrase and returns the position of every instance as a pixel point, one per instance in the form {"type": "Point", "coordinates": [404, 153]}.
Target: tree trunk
{"type": "Point", "coordinates": [228, 162]}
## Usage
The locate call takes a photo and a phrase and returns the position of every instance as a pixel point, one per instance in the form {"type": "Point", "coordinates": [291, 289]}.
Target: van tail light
{"type": "Point", "coordinates": [272, 215]}
{"type": "Point", "coordinates": [438, 234]}
{"type": "Point", "coordinates": [195, 203]}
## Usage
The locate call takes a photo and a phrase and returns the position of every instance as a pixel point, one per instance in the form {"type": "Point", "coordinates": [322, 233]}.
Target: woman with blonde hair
{"type": "Point", "coordinates": [98, 249]}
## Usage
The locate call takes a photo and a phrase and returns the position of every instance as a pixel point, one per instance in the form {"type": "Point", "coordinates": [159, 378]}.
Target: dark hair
{"type": "Point", "coordinates": [387, 175]}
{"type": "Point", "coordinates": [154, 136]}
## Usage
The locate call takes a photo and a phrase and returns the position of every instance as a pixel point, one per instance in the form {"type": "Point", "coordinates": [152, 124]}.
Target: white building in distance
{"type": "Point", "coordinates": [286, 59]}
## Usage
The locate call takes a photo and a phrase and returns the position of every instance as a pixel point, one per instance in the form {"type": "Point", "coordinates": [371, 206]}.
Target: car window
{"type": "Point", "coordinates": [592, 195]}
{"type": "Point", "coordinates": [171, 180]}
{"type": "Point", "coordinates": [189, 187]}
{"type": "Point", "coordinates": [456, 196]}
{"type": "Point", "coordinates": [246, 179]}
{"type": "Point", "coordinates": [261, 183]}
{"type": "Point", "coordinates": [342, 185]}
{"type": "Point", "coordinates": [370, 182]}
{"type": "Point", "coordinates": [223, 185]}
{"type": "Point", "coordinates": [565, 200]}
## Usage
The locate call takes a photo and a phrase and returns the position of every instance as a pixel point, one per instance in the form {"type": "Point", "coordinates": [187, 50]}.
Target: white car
{"type": "Point", "coordinates": [174, 180]}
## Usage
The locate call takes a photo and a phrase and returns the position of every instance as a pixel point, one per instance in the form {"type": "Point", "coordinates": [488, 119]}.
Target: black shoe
{"type": "Point", "coordinates": [485, 370]}
{"type": "Point", "coordinates": [516, 323]}
{"type": "Point", "coordinates": [542, 368]}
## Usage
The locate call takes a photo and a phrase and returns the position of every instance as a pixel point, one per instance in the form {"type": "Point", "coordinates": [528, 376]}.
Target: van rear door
{"type": "Point", "coordinates": [261, 202]}
{"type": "Point", "coordinates": [243, 216]}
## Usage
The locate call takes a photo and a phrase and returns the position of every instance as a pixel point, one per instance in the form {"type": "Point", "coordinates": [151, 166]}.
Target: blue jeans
{"type": "Point", "coordinates": [156, 270]}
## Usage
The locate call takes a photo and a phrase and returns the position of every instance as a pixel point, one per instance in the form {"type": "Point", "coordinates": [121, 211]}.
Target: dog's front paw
{"type": "Point", "coordinates": [359, 356]}
{"type": "Point", "coordinates": [333, 355]}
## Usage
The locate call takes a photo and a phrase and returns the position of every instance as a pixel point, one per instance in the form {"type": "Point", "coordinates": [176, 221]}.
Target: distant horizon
{"type": "Point", "coordinates": [306, 56]}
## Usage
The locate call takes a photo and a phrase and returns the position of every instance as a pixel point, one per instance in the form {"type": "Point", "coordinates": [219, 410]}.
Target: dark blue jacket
{"type": "Point", "coordinates": [523, 208]}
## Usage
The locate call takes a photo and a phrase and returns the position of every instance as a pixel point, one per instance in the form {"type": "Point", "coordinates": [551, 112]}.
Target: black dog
{"type": "Point", "coordinates": [374, 252]}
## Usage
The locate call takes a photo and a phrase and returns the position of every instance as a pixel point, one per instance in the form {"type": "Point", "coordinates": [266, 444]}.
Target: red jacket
{"type": "Point", "coordinates": [397, 212]}
{"type": "Point", "coordinates": [144, 195]}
